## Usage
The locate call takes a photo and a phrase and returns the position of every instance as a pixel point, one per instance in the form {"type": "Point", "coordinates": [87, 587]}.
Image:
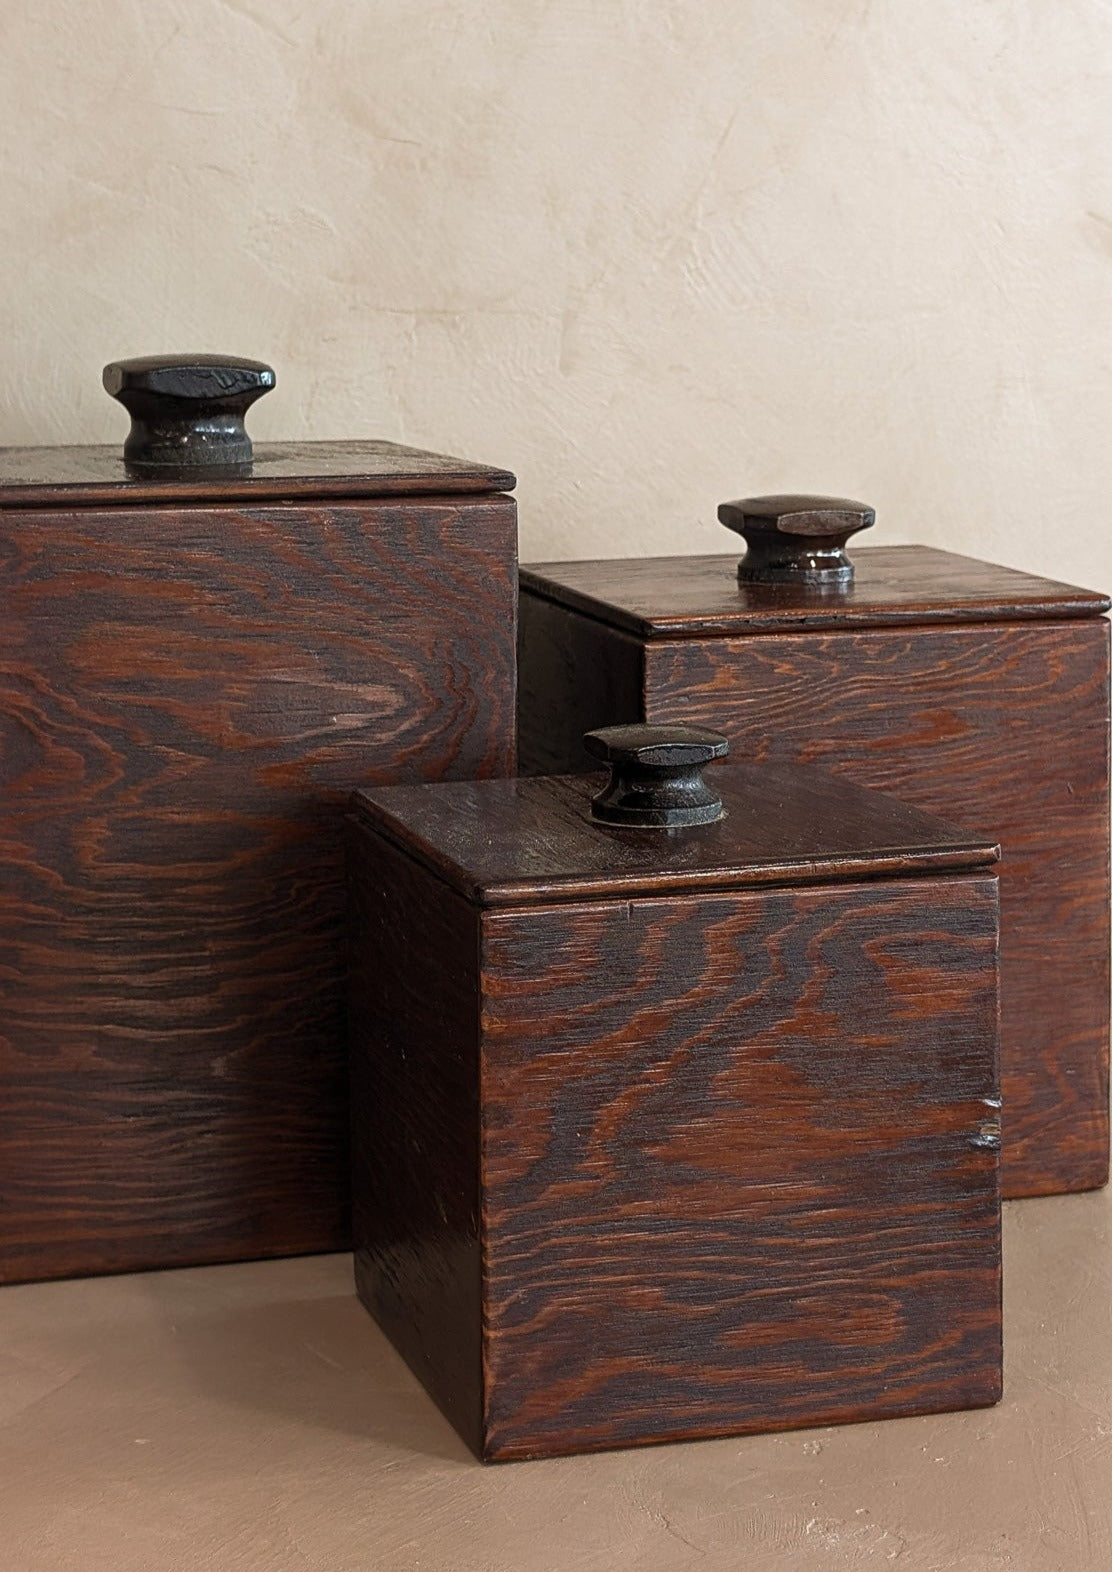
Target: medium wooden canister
{"type": "Point", "coordinates": [973, 691]}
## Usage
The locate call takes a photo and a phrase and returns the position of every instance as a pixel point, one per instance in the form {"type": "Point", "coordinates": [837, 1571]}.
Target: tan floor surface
{"type": "Point", "coordinates": [252, 1419]}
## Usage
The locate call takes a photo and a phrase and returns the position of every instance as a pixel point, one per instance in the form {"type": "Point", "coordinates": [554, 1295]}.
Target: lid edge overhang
{"type": "Point", "coordinates": [975, 856]}
{"type": "Point", "coordinates": [1058, 601]}
{"type": "Point", "coordinates": [98, 477]}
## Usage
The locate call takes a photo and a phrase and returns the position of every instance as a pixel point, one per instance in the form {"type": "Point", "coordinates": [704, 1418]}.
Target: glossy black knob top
{"type": "Point", "coordinates": [656, 780]}
{"type": "Point", "coordinates": [187, 411]}
{"type": "Point", "coordinates": [796, 540]}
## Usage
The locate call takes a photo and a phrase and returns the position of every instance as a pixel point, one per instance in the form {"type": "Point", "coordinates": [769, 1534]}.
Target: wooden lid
{"type": "Point", "coordinates": [97, 476]}
{"type": "Point", "coordinates": [523, 842]}
{"type": "Point", "coordinates": [893, 586]}
{"type": "Point", "coordinates": [189, 443]}
{"type": "Point", "coordinates": [797, 575]}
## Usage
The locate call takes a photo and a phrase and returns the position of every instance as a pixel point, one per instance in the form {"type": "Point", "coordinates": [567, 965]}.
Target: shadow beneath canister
{"type": "Point", "coordinates": [320, 1362]}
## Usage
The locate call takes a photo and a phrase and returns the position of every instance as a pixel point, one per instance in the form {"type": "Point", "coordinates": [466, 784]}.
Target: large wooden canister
{"type": "Point", "coordinates": [204, 649]}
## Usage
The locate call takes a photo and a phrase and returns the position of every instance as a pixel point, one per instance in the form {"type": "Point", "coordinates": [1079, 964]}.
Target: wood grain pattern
{"type": "Point", "coordinates": [1005, 730]}
{"type": "Point", "coordinates": [733, 1163]}
{"type": "Point", "coordinates": [969, 690]}
{"type": "Point", "coordinates": [186, 698]}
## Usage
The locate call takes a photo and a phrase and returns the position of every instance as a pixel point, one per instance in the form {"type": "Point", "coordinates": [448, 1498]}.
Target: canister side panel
{"type": "Point", "coordinates": [740, 1163]}
{"type": "Point", "coordinates": [1001, 728]}
{"type": "Point", "coordinates": [187, 696]}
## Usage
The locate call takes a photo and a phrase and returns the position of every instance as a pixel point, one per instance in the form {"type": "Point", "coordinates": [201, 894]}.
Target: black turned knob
{"type": "Point", "coordinates": [796, 540]}
{"type": "Point", "coordinates": [655, 781]}
{"type": "Point", "coordinates": [187, 410]}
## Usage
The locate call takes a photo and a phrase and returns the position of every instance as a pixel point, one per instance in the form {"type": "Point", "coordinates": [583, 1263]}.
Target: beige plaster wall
{"type": "Point", "coordinates": [648, 253]}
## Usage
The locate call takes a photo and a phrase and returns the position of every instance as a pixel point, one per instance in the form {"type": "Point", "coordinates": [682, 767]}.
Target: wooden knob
{"type": "Point", "coordinates": [187, 411]}
{"type": "Point", "coordinates": [796, 540]}
{"type": "Point", "coordinates": [656, 780]}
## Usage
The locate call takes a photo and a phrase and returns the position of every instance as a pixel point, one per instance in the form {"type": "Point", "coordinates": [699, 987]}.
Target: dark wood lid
{"type": "Point", "coordinates": [893, 586]}
{"type": "Point", "coordinates": [522, 842]}
{"type": "Point", "coordinates": [48, 477]}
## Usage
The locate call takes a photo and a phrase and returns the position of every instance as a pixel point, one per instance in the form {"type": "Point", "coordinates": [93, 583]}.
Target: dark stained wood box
{"type": "Point", "coordinates": [973, 691]}
{"type": "Point", "coordinates": [197, 670]}
{"type": "Point", "coordinates": [668, 1134]}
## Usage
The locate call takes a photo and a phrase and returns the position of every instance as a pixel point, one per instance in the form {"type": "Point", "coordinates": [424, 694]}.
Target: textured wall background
{"type": "Point", "coordinates": [647, 253]}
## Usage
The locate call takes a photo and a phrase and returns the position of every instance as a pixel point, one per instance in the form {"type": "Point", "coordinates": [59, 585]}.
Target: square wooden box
{"type": "Point", "coordinates": [972, 691]}
{"type": "Point", "coordinates": [197, 671]}
{"type": "Point", "coordinates": [662, 1135]}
